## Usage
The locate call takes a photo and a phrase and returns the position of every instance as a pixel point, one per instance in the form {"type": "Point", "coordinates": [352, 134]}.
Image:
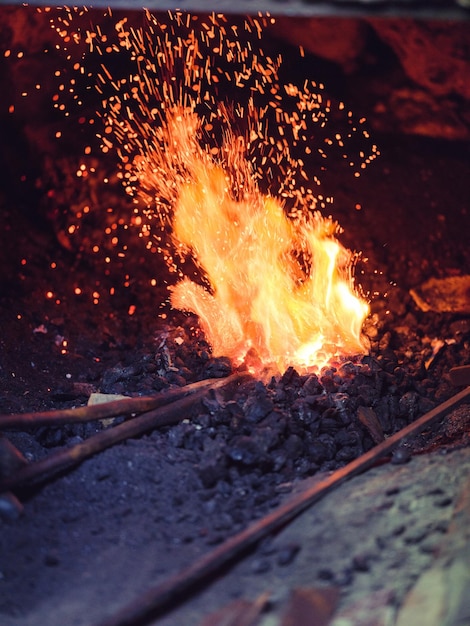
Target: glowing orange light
{"type": "Point", "coordinates": [225, 180]}
{"type": "Point", "coordinates": [279, 286]}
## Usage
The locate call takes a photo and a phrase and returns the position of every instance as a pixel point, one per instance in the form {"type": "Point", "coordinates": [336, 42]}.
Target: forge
{"type": "Point", "coordinates": [259, 217]}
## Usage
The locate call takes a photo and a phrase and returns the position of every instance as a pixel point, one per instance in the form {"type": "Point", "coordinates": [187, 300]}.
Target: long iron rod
{"type": "Point", "coordinates": [43, 469]}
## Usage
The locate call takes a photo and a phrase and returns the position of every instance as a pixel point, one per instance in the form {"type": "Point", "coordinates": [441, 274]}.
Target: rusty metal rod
{"type": "Point", "coordinates": [126, 406]}
{"type": "Point", "coordinates": [173, 413]}
{"type": "Point", "coordinates": [157, 599]}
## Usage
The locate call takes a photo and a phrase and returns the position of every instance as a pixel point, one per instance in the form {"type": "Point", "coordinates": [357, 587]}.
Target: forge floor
{"type": "Point", "coordinates": [91, 540]}
{"type": "Point", "coordinates": [391, 544]}
{"type": "Point", "coordinates": [390, 547]}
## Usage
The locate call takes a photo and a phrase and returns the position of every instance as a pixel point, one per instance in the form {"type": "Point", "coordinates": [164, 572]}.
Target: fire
{"type": "Point", "coordinates": [261, 298]}
{"type": "Point", "coordinates": [279, 286]}
{"type": "Point", "coordinates": [214, 146]}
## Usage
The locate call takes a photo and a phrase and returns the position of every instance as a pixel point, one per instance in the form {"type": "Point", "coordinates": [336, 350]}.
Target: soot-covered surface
{"type": "Point", "coordinates": [92, 539]}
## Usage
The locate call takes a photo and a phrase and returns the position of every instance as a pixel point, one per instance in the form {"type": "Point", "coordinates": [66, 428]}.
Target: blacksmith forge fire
{"type": "Point", "coordinates": [213, 145]}
{"type": "Point", "coordinates": [187, 196]}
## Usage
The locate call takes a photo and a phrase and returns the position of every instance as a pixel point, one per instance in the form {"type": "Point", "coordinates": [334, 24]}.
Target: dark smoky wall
{"type": "Point", "coordinates": [407, 76]}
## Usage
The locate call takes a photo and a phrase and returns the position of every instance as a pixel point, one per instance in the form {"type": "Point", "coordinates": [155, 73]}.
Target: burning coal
{"type": "Point", "coordinates": [219, 152]}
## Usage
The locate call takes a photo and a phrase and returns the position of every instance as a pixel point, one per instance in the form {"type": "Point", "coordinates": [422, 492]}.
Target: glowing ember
{"type": "Point", "coordinates": [218, 149]}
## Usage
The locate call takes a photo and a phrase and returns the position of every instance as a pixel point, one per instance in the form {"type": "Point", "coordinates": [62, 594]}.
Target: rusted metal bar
{"type": "Point", "coordinates": [158, 598]}
{"type": "Point", "coordinates": [126, 406]}
{"type": "Point", "coordinates": [172, 413]}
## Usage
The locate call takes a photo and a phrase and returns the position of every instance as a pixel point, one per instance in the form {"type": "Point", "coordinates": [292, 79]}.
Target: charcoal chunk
{"type": "Point", "coordinates": [311, 386]}
{"type": "Point", "coordinates": [218, 368]}
{"type": "Point", "coordinates": [245, 450]}
{"type": "Point", "coordinates": [257, 407]}
{"type": "Point", "coordinates": [322, 449]}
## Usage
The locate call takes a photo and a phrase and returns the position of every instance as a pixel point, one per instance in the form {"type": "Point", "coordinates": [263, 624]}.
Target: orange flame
{"type": "Point", "coordinates": [280, 286]}
{"type": "Point", "coordinates": [214, 143]}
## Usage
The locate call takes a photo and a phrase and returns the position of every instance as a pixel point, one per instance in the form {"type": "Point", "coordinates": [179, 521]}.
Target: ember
{"type": "Point", "coordinates": [212, 142]}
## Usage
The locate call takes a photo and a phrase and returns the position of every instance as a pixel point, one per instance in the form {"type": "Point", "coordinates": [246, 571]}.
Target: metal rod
{"type": "Point", "coordinates": [126, 406]}
{"type": "Point", "coordinates": [64, 459]}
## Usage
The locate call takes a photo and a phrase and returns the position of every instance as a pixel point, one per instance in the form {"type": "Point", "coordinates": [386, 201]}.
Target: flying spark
{"type": "Point", "coordinates": [222, 158]}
